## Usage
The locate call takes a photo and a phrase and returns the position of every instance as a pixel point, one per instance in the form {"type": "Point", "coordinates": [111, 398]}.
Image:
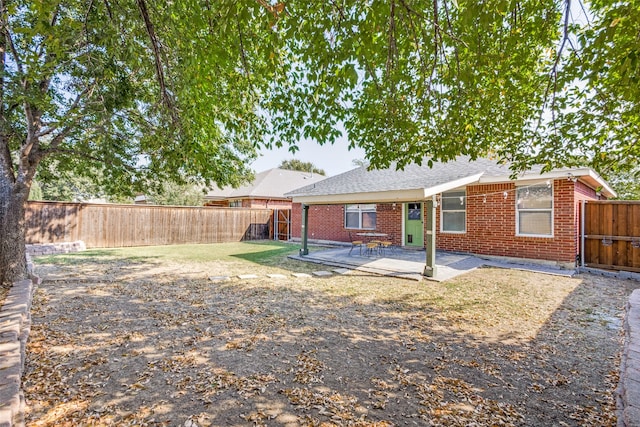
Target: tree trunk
{"type": "Point", "coordinates": [13, 262]}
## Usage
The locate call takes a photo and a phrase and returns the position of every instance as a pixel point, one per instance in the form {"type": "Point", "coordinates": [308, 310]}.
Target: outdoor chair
{"type": "Point", "coordinates": [387, 245]}
{"type": "Point", "coordinates": [355, 243]}
{"type": "Point", "coordinates": [372, 247]}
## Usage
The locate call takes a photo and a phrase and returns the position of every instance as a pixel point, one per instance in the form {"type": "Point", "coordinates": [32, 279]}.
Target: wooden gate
{"type": "Point", "coordinates": [611, 235]}
{"type": "Point", "coordinates": [282, 224]}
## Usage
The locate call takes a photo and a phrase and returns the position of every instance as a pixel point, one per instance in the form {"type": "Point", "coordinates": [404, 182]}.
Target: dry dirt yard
{"type": "Point", "coordinates": [139, 341]}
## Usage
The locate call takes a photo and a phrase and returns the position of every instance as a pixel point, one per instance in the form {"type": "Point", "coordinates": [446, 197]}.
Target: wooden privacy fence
{"type": "Point", "coordinates": [611, 234]}
{"type": "Point", "coordinates": [110, 226]}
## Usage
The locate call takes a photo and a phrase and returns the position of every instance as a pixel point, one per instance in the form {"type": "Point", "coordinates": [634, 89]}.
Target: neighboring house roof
{"type": "Point", "coordinates": [142, 199]}
{"type": "Point", "coordinates": [417, 182]}
{"type": "Point", "coordinates": [269, 184]}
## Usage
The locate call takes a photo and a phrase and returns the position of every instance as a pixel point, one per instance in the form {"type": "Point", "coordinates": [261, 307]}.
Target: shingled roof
{"type": "Point", "coordinates": [269, 184]}
{"type": "Point", "coordinates": [417, 182]}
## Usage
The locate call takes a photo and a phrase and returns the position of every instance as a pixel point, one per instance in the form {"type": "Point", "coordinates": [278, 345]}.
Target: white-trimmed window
{"type": "Point", "coordinates": [361, 217]}
{"type": "Point", "coordinates": [453, 212]}
{"type": "Point", "coordinates": [235, 204]}
{"type": "Point", "coordinates": [534, 210]}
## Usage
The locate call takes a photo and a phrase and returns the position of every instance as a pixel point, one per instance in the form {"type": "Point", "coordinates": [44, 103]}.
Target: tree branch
{"type": "Point", "coordinates": [416, 41]}
{"type": "Point", "coordinates": [392, 50]}
{"type": "Point", "coordinates": [7, 34]}
{"type": "Point", "coordinates": [454, 38]}
{"type": "Point", "coordinates": [88, 155]}
{"type": "Point", "coordinates": [155, 47]}
{"type": "Point", "coordinates": [209, 18]}
{"type": "Point", "coordinates": [366, 63]}
{"type": "Point", "coordinates": [275, 10]}
{"type": "Point", "coordinates": [85, 23]}
{"type": "Point", "coordinates": [553, 74]}
{"type": "Point", "coordinates": [31, 116]}
{"type": "Point", "coordinates": [243, 54]}
{"type": "Point", "coordinates": [88, 91]}
{"type": "Point", "coordinates": [108, 7]}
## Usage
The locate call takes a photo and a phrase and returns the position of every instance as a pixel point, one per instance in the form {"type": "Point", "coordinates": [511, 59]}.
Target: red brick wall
{"type": "Point", "coordinates": [326, 222]}
{"type": "Point", "coordinates": [582, 192]}
{"type": "Point", "coordinates": [491, 225]}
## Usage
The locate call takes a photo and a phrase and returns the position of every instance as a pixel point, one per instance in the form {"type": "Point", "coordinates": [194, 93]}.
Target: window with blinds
{"type": "Point", "coordinates": [534, 210]}
{"type": "Point", "coordinates": [453, 212]}
{"type": "Point", "coordinates": [362, 217]}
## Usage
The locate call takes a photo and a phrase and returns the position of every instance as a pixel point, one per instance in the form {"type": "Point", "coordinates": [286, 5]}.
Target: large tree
{"type": "Point", "coordinates": [552, 82]}
{"type": "Point", "coordinates": [174, 194]}
{"type": "Point", "coordinates": [146, 91]}
{"type": "Point", "coordinates": [299, 165]}
{"type": "Point", "coordinates": [141, 91]}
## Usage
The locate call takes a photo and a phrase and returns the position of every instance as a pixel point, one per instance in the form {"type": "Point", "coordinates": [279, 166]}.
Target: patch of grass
{"type": "Point", "coordinates": [258, 252]}
{"type": "Point", "coordinates": [267, 254]}
{"type": "Point", "coordinates": [92, 256]}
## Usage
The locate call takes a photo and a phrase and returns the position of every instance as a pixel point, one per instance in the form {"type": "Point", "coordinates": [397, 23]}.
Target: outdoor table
{"type": "Point", "coordinates": [377, 242]}
{"type": "Point", "coordinates": [372, 234]}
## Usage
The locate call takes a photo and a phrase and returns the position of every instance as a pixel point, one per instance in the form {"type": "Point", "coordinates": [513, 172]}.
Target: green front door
{"type": "Point", "coordinates": [413, 225]}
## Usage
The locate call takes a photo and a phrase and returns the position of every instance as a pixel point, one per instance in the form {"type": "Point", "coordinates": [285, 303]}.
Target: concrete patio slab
{"type": "Point", "coordinates": [410, 264]}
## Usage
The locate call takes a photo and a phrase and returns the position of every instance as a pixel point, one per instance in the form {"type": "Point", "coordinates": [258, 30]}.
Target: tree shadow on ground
{"type": "Point", "coordinates": [347, 351]}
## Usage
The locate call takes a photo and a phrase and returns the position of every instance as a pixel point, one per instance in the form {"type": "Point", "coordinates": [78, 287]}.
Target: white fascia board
{"type": "Point", "coordinates": [462, 182]}
{"type": "Point", "coordinates": [606, 189]}
{"type": "Point", "coordinates": [372, 197]}
{"type": "Point", "coordinates": [532, 176]}
{"type": "Point", "coordinates": [586, 174]}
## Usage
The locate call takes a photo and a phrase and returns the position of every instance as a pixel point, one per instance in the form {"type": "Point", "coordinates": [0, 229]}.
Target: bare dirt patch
{"type": "Point", "coordinates": [136, 343]}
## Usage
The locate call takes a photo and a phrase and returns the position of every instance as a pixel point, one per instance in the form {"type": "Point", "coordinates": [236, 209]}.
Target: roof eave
{"type": "Point", "coordinates": [586, 175]}
{"type": "Point", "coordinates": [390, 196]}
{"type": "Point", "coordinates": [370, 197]}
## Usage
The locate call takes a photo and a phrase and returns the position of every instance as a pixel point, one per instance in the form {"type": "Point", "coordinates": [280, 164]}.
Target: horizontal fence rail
{"type": "Point", "coordinates": [612, 235]}
{"type": "Point", "coordinates": [110, 226]}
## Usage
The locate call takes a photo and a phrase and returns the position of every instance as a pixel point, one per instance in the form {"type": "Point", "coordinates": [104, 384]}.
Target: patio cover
{"type": "Point", "coordinates": [421, 183]}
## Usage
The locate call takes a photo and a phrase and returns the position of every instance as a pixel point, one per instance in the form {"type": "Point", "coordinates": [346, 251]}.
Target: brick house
{"type": "Point", "coordinates": [469, 206]}
{"type": "Point", "coordinates": [265, 191]}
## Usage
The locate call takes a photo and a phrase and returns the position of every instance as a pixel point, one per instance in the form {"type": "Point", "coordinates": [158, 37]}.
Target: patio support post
{"type": "Point", "coordinates": [430, 243]}
{"type": "Point", "coordinates": [305, 219]}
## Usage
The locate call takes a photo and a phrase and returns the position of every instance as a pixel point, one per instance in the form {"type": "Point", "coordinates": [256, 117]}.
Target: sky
{"type": "Point", "coordinates": [333, 159]}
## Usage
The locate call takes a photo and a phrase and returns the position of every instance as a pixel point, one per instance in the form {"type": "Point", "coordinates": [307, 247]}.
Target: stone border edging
{"type": "Point", "coordinates": [15, 325]}
{"type": "Point", "coordinates": [618, 274]}
{"type": "Point", "coordinates": [55, 248]}
{"type": "Point", "coordinates": [628, 392]}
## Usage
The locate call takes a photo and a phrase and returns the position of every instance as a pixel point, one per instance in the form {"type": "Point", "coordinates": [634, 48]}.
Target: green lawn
{"type": "Point", "coordinates": [260, 252]}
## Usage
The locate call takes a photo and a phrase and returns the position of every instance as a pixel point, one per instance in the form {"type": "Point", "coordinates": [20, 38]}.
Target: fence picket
{"type": "Point", "coordinates": [612, 233]}
{"type": "Point", "coordinates": [107, 225]}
